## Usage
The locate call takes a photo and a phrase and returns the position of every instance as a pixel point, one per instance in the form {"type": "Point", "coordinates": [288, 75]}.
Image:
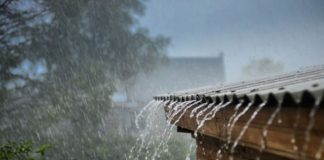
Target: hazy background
{"type": "Point", "coordinates": [290, 31]}
{"type": "Point", "coordinates": [75, 74]}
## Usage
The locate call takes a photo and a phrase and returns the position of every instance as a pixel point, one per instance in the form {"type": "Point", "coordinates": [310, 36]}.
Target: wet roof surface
{"type": "Point", "coordinates": [306, 82]}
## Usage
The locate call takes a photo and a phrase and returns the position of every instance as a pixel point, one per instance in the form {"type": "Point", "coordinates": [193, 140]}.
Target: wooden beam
{"type": "Point", "coordinates": [286, 135]}
{"type": "Point", "coordinates": [211, 148]}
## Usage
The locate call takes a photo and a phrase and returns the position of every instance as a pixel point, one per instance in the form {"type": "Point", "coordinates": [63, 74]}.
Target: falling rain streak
{"type": "Point", "coordinates": [210, 115]}
{"type": "Point", "coordinates": [264, 132]}
{"type": "Point", "coordinates": [311, 124]}
{"type": "Point", "coordinates": [234, 120]}
{"type": "Point", "coordinates": [151, 143]}
{"type": "Point", "coordinates": [247, 124]}
{"type": "Point", "coordinates": [176, 111]}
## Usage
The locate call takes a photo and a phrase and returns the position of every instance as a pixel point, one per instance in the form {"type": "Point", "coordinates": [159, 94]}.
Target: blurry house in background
{"type": "Point", "coordinates": [178, 74]}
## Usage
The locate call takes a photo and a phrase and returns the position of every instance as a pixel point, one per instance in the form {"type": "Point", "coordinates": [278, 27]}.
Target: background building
{"type": "Point", "coordinates": [178, 74]}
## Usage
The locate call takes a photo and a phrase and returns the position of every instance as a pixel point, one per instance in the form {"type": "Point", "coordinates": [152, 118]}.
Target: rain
{"type": "Point", "coordinates": [161, 79]}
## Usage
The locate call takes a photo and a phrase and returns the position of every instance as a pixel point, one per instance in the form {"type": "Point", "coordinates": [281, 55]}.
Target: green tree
{"type": "Point", "coordinates": [87, 47]}
{"type": "Point", "coordinates": [22, 151]}
{"type": "Point", "coordinates": [14, 35]}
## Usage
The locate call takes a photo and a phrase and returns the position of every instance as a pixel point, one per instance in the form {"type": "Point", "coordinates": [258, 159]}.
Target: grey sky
{"type": "Point", "coordinates": [290, 31]}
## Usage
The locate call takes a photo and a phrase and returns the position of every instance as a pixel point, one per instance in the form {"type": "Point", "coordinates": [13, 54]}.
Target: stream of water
{"type": "Point", "coordinates": [152, 143]}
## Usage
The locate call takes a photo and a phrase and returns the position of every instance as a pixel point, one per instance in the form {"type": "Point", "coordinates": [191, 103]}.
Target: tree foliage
{"type": "Point", "coordinates": [15, 23]}
{"type": "Point", "coordinates": [85, 49]}
{"type": "Point", "coordinates": [22, 151]}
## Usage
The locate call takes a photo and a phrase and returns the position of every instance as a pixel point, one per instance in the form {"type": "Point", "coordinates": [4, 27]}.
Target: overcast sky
{"type": "Point", "coordinates": [289, 31]}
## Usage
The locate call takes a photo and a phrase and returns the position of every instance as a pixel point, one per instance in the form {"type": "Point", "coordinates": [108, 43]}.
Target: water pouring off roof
{"type": "Point", "coordinates": [294, 84]}
{"type": "Point", "coordinates": [269, 118]}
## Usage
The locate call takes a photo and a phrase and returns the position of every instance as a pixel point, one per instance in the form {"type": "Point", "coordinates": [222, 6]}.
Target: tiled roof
{"type": "Point", "coordinates": [297, 86]}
